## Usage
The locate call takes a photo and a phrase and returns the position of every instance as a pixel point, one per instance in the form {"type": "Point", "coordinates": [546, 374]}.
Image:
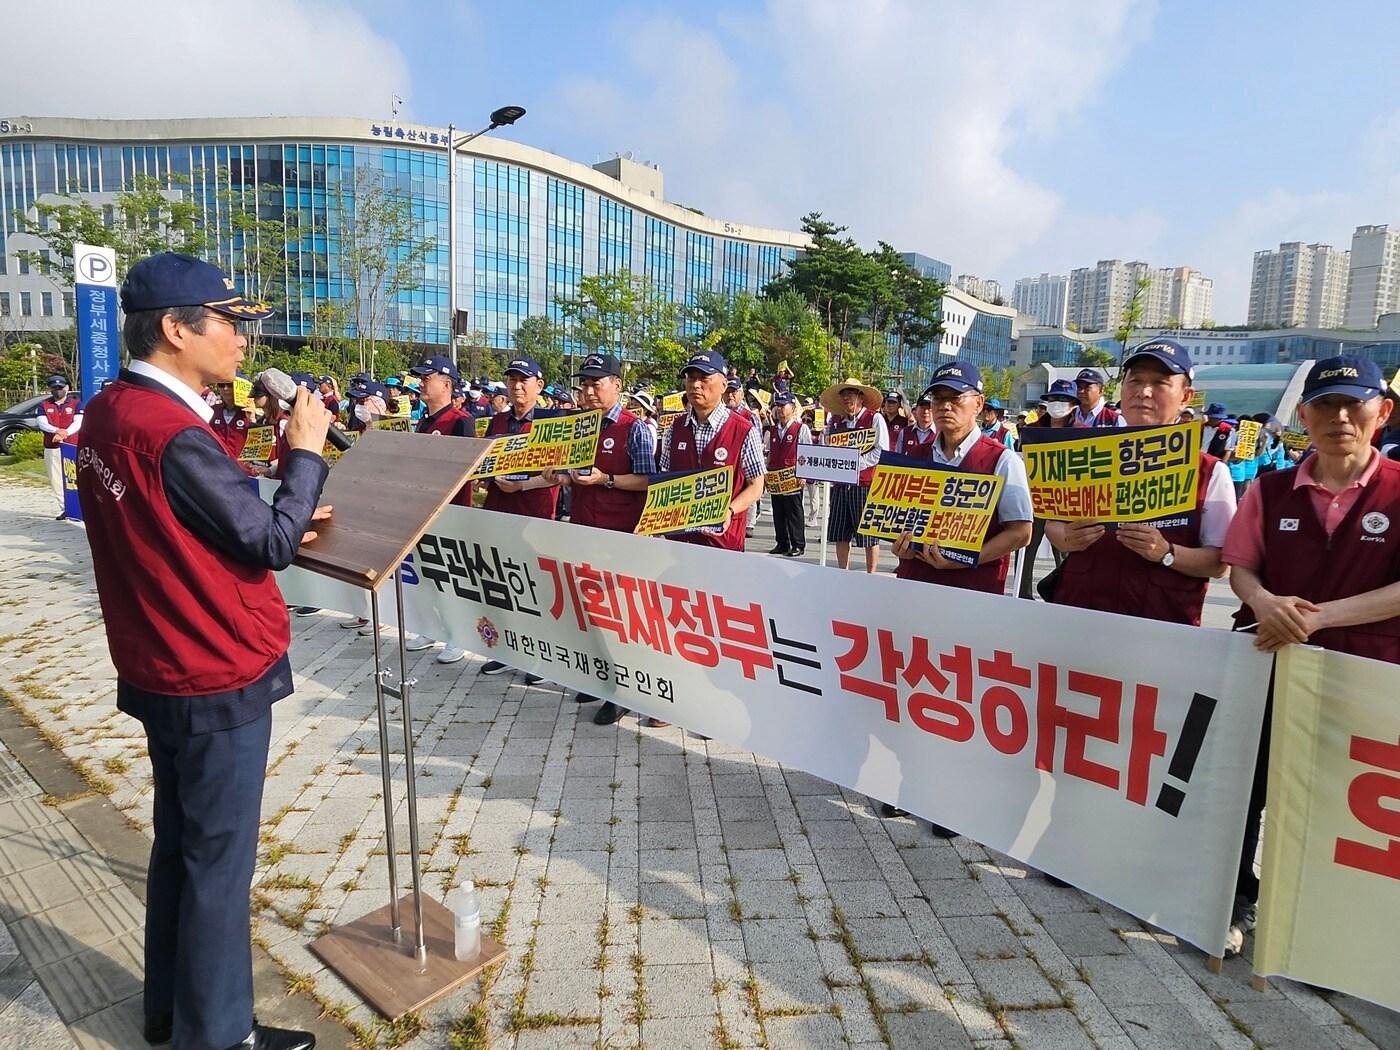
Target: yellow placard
{"type": "Point", "coordinates": [258, 448]}
{"type": "Point", "coordinates": [783, 482]}
{"type": "Point", "coordinates": [1134, 474]}
{"type": "Point", "coordinates": [562, 442]}
{"type": "Point", "coordinates": [949, 508]}
{"type": "Point", "coordinates": [663, 425]}
{"type": "Point", "coordinates": [1330, 891]}
{"type": "Point", "coordinates": [1296, 440]}
{"type": "Point", "coordinates": [865, 440]}
{"type": "Point", "coordinates": [683, 504]}
{"type": "Point", "coordinates": [331, 454]}
{"type": "Point", "coordinates": [1248, 444]}
{"type": "Point", "coordinates": [1395, 381]}
{"type": "Point", "coordinates": [242, 392]}
{"type": "Point", "coordinates": [765, 398]}
{"type": "Point", "coordinates": [819, 418]}
{"type": "Point", "coordinates": [672, 402]}
{"type": "Point", "coordinates": [1198, 399]}
{"type": "Point", "coordinates": [402, 424]}
{"type": "Point", "coordinates": [481, 424]}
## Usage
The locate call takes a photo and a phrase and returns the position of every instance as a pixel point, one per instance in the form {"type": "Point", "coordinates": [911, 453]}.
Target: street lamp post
{"type": "Point", "coordinates": [499, 118]}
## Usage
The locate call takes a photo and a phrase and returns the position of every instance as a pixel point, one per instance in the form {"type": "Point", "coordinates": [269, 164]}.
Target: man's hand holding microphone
{"type": "Point", "coordinates": [308, 425]}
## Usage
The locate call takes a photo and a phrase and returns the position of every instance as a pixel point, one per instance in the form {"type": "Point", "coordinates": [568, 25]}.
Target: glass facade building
{"type": "Point", "coordinates": [530, 225]}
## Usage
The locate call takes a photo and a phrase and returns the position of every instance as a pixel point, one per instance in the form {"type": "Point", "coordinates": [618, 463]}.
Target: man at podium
{"type": "Point", "coordinates": [172, 520]}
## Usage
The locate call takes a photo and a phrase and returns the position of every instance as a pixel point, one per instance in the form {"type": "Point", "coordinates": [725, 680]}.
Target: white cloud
{"type": "Point", "coordinates": [176, 58]}
{"type": "Point", "coordinates": [894, 116]}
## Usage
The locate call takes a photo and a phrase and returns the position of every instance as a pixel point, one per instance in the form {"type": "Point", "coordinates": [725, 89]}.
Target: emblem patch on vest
{"type": "Point", "coordinates": [608, 444]}
{"type": "Point", "coordinates": [721, 454]}
{"type": "Point", "coordinates": [1287, 524]}
{"type": "Point", "coordinates": [1375, 523]}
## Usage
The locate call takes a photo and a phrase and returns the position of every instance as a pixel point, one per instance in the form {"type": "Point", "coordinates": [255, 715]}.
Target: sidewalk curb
{"type": "Point", "coordinates": [127, 851]}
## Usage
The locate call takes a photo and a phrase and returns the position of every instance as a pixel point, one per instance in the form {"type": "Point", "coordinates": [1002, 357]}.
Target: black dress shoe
{"type": "Point", "coordinates": [265, 1038]}
{"type": "Point", "coordinates": [887, 810]}
{"type": "Point", "coordinates": [784, 551]}
{"type": "Point", "coordinates": [494, 667]}
{"type": "Point", "coordinates": [61, 517]}
{"type": "Point", "coordinates": [796, 552]}
{"type": "Point", "coordinates": [608, 714]}
{"type": "Point", "coordinates": [157, 1032]}
{"type": "Point", "coordinates": [585, 698]}
{"type": "Point", "coordinates": [940, 832]}
{"type": "Point", "coordinates": [1054, 881]}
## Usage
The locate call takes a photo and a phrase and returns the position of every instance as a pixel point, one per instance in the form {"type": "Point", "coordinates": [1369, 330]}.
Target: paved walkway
{"type": "Point", "coordinates": [655, 889]}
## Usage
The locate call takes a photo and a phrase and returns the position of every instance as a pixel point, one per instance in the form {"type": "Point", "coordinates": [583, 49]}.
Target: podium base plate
{"type": "Point", "coordinates": [365, 956]}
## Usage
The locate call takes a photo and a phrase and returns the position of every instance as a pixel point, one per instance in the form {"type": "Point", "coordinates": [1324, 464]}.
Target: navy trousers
{"type": "Point", "coordinates": [208, 797]}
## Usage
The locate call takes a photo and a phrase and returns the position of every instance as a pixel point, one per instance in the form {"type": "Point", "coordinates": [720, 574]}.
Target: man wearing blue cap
{"type": "Point", "coordinates": [172, 520]}
{"type": "Point", "coordinates": [787, 433]}
{"type": "Point", "coordinates": [1315, 554]}
{"type": "Point", "coordinates": [60, 418]}
{"type": "Point", "coordinates": [1158, 570]}
{"type": "Point", "coordinates": [993, 426]}
{"type": "Point", "coordinates": [533, 497]}
{"type": "Point", "coordinates": [1093, 411]}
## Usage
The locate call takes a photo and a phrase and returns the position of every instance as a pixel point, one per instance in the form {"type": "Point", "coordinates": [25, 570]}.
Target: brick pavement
{"type": "Point", "coordinates": [655, 889]}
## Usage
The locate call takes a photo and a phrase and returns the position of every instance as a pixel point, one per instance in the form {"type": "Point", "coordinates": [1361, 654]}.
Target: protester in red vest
{"type": "Point", "coordinates": [325, 387]}
{"type": "Point", "coordinates": [533, 497]}
{"type": "Point", "coordinates": [60, 418]}
{"type": "Point", "coordinates": [917, 439]}
{"type": "Point", "coordinates": [438, 378]}
{"type": "Point", "coordinates": [896, 419]}
{"type": "Point", "coordinates": [1057, 413]}
{"type": "Point", "coordinates": [787, 433]}
{"type": "Point", "coordinates": [710, 435]}
{"type": "Point", "coordinates": [993, 425]}
{"type": "Point", "coordinates": [1313, 556]}
{"type": "Point", "coordinates": [1158, 570]}
{"type": "Point", "coordinates": [852, 405]}
{"type": "Point", "coordinates": [229, 422]}
{"type": "Point", "coordinates": [611, 494]}
{"type": "Point", "coordinates": [1093, 411]}
{"type": "Point", "coordinates": [172, 521]}
{"type": "Point", "coordinates": [956, 393]}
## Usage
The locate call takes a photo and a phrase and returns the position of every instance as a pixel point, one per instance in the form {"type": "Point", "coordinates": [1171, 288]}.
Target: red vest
{"type": "Point", "coordinates": [598, 505]}
{"type": "Point", "coordinates": [864, 421]}
{"type": "Point", "coordinates": [981, 458]}
{"type": "Point", "coordinates": [896, 429]}
{"type": "Point", "coordinates": [683, 456]}
{"type": "Point", "coordinates": [911, 445]}
{"type": "Point", "coordinates": [536, 503]}
{"type": "Point", "coordinates": [1107, 417]}
{"type": "Point", "coordinates": [1110, 578]}
{"type": "Point", "coordinates": [59, 414]}
{"type": "Point", "coordinates": [445, 422]}
{"type": "Point", "coordinates": [998, 433]}
{"type": "Point", "coordinates": [155, 577]}
{"type": "Point", "coordinates": [232, 434]}
{"type": "Point", "coordinates": [782, 445]}
{"type": "Point", "coordinates": [1363, 554]}
{"type": "Point", "coordinates": [332, 403]}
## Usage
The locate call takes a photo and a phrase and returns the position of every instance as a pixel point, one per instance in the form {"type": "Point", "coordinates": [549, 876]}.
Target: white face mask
{"type": "Point", "coordinates": [363, 414]}
{"type": "Point", "coordinates": [1059, 409]}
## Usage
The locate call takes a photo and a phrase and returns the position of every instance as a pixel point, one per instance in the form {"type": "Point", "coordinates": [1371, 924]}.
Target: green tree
{"type": "Point", "coordinates": [384, 252]}
{"type": "Point", "coordinates": [625, 314]}
{"type": "Point", "coordinates": [1095, 357]}
{"type": "Point", "coordinates": [542, 338]}
{"type": "Point", "coordinates": [731, 324]}
{"type": "Point", "coordinates": [1132, 313]}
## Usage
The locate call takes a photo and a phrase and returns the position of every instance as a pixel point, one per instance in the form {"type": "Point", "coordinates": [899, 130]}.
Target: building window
{"type": "Point", "coordinates": [26, 304]}
{"type": "Point", "coordinates": [614, 236]}
{"type": "Point", "coordinates": [46, 304]}
{"type": "Point", "coordinates": [4, 304]}
{"type": "Point", "coordinates": [23, 265]}
{"type": "Point", "coordinates": [68, 304]}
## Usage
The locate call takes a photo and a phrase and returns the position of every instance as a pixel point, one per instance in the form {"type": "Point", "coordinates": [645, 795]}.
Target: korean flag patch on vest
{"type": "Point", "coordinates": [1287, 524]}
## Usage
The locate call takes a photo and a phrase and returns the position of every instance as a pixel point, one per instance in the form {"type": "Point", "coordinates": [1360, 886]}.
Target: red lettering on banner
{"type": "Point", "coordinates": [1148, 742]}
{"type": "Point", "coordinates": [743, 636]}
{"type": "Point", "coordinates": [1365, 797]}
{"type": "Point", "coordinates": [691, 618]}
{"type": "Point", "coordinates": [998, 698]}
{"type": "Point", "coordinates": [646, 623]}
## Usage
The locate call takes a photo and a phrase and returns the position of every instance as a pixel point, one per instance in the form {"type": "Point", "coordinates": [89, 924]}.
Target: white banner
{"type": "Point", "coordinates": [828, 463]}
{"type": "Point", "coordinates": [1111, 751]}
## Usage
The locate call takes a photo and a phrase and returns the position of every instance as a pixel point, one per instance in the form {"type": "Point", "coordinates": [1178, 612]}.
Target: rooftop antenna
{"type": "Point", "coordinates": [394, 106]}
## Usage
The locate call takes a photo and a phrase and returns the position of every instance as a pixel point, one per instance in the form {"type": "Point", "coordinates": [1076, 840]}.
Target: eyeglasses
{"type": "Point", "coordinates": [223, 318]}
{"type": "Point", "coordinates": [946, 400]}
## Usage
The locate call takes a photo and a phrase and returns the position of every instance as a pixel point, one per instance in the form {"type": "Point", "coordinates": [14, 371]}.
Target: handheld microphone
{"type": "Point", "coordinates": [281, 386]}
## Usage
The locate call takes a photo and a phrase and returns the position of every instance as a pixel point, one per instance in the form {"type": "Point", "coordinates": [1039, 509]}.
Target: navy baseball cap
{"type": "Point", "coordinates": [56, 381]}
{"type": "Point", "coordinates": [359, 377]}
{"type": "Point", "coordinates": [436, 366]}
{"type": "Point", "coordinates": [1173, 356]}
{"type": "Point", "coordinates": [1061, 389]}
{"type": "Point", "coordinates": [926, 398]}
{"type": "Point", "coordinates": [324, 379]}
{"type": "Point", "coordinates": [959, 376]}
{"type": "Point", "coordinates": [1215, 410]}
{"type": "Point", "coordinates": [1090, 375]}
{"type": "Point", "coordinates": [1348, 375]}
{"type": "Point", "coordinates": [706, 362]}
{"type": "Point", "coordinates": [734, 384]}
{"type": "Point", "coordinates": [172, 279]}
{"type": "Point", "coordinates": [525, 366]}
{"type": "Point", "coordinates": [595, 366]}
{"type": "Point", "coordinates": [895, 396]}
{"type": "Point", "coordinates": [783, 399]}
{"type": "Point", "coordinates": [359, 388]}
{"type": "Point", "coordinates": [305, 379]}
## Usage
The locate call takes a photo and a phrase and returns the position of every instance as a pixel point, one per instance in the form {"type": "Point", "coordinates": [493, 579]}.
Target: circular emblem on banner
{"type": "Point", "coordinates": [721, 454]}
{"type": "Point", "coordinates": [1375, 523]}
{"type": "Point", "coordinates": [487, 630]}
{"type": "Point", "coordinates": [608, 444]}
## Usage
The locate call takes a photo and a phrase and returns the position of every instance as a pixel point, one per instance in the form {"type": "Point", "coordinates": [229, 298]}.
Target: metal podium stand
{"type": "Point", "coordinates": [386, 491]}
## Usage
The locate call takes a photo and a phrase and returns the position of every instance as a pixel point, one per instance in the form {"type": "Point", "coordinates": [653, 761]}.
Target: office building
{"type": "Point", "coordinates": [927, 266]}
{"type": "Point", "coordinates": [529, 224]}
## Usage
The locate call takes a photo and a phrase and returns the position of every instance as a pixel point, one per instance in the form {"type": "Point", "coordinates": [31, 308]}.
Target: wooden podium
{"type": "Point", "coordinates": [386, 490]}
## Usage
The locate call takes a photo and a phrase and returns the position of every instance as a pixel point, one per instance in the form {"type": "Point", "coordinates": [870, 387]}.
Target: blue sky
{"type": "Point", "coordinates": [1005, 136]}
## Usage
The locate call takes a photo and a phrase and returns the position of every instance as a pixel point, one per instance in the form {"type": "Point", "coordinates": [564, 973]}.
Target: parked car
{"type": "Point", "coordinates": [18, 418]}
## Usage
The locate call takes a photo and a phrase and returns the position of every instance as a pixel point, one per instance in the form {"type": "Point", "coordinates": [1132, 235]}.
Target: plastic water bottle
{"type": "Point", "coordinates": [465, 906]}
